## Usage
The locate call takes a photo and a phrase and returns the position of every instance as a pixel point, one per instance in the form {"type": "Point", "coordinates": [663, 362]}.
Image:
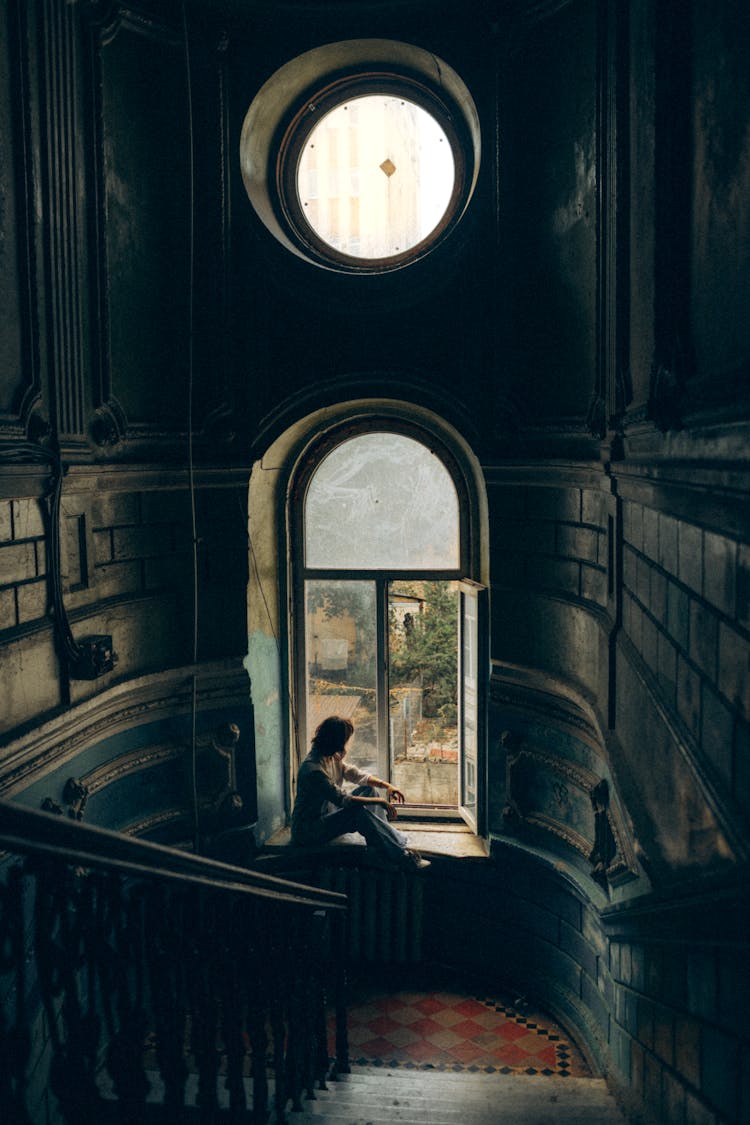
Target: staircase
{"type": "Point", "coordinates": [384, 1096]}
{"type": "Point", "coordinates": [380, 1096]}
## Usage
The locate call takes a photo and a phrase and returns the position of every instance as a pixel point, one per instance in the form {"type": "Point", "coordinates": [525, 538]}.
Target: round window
{"type": "Point", "coordinates": [366, 171]}
{"type": "Point", "coordinates": [375, 176]}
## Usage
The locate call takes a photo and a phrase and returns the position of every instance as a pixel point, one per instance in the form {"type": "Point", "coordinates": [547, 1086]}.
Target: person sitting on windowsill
{"type": "Point", "coordinates": [323, 810]}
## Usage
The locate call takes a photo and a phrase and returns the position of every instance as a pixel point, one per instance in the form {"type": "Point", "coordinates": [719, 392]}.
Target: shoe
{"type": "Point", "coordinates": [413, 861]}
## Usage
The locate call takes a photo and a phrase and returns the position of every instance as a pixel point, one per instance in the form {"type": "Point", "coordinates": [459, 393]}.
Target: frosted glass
{"type": "Point", "coordinates": [375, 176]}
{"type": "Point", "coordinates": [382, 501]}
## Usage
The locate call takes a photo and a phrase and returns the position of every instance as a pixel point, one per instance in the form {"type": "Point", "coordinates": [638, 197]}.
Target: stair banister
{"type": "Point", "coordinates": [123, 958]}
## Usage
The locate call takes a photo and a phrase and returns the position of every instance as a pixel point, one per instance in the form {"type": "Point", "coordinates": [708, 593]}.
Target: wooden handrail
{"type": "Point", "coordinates": [27, 831]}
{"type": "Point", "coordinates": [116, 940]}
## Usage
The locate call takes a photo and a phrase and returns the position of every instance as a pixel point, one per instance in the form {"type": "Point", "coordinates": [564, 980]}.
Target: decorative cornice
{"type": "Point", "coordinates": [713, 498]}
{"type": "Point", "coordinates": [561, 830]}
{"type": "Point", "coordinates": [610, 853]}
{"type": "Point", "coordinates": [581, 776]}
{"type": "Point", "coordinates": [127, 764]}
{"type": "Point", "coordinates": [556, 474]}
{"type": "Point", "coordinates": [147, 477]}
{"type": "Point", "coordinates": [128, 16]}
{"type": "Point", "coordinates": [158, 820]}
{"type": "Point", "coordinates": [167, 694]}
{"type": "Point", "coordinates": [533, 692]}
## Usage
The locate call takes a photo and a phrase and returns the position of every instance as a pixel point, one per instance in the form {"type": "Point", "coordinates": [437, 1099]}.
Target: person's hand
{"type": "Point", "coordinates": [390, 810]}
{"type": "Point", "coordinates": [396, 795]}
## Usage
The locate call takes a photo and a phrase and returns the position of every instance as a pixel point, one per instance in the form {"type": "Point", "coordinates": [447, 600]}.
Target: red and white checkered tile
{"type": "Point", "coordinates": [444, 1030]}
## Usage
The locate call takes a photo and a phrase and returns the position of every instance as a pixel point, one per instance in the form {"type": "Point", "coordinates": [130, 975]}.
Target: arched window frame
{"type": "Point", "coordinates": [467, 573]}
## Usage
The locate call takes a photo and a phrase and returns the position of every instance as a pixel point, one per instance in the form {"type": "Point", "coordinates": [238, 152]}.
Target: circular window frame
{"type": "Point", "coordinates": [279, 122]}
{"type": "Point", "coordinates": [312, 113]}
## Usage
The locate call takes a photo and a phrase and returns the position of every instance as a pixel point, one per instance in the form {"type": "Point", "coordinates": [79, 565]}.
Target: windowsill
{"type": "Point", "coordinates": [427, 814]}
{"type": "Point", "coordinates": [449, 838]}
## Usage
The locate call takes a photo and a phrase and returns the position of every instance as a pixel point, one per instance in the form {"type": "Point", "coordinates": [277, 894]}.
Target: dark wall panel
{"type": "Point", "coordinates": [721, 191]}
{"type": "Point", "coordinates": [147, 197]}
{"type": "Point", "coordinates": [16, 375]}
{"type": "Point", "coordinates": [549, 171]}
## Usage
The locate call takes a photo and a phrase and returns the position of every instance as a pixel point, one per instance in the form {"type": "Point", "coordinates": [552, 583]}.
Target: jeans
{"type": "Point", "coordinates": [371, 821]}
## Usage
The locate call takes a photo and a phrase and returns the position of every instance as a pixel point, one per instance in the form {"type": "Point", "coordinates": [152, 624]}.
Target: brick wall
{"type": "Point", "coordinates": [551, 539]}
{"type": "Point", "coordinates": [679, 1017]}
{"type": "Point", "coordinates": [127, 571]}
{"type": "Point", "coordinates": [23, 563]}
{"type": "Point", "coordinates": [686, 610]}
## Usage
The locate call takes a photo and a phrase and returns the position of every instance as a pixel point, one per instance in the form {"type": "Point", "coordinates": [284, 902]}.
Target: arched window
{"type": "Point", "coordinates": [388, 628]}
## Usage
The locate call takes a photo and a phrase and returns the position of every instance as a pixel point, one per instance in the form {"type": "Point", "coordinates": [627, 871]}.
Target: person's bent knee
{"type": "Point", "coordinates": [364, 791]}
{"type": "Point", "coordinates": [367, 813]}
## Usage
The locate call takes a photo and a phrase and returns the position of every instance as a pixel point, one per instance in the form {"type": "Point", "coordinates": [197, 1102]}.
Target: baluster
{"type": "Point", "coordinates": [316, 1057]}
{"type": "Point", "coordinates": [320, 1034]}
{"type": "Point", "coordinates": [265, 1005]}
{"type": "Point", "coordinates": [15, 1040]}
{"type": "Point", "coordinates": [125, 1055]}
{"type": "Point", "coordinates": [297, 974]}
{"type": "Point", "coordinates": [117, 957]}
{"type": "Point", "coordinates": [338, 968]}
{"type": "Point", "coordinates": [165, 956]}
{"type": "Point", "coordinates": [59, 932]}
{"type": "Point", "coordinates": [280, 958]}
{"type": "Point", "coordinates": [204, 1008]}
{"type": "Point", "coordinates": [233, 1007]}
{"type": "Point", "coordinates": [91, 1023]}
{"type": "Point", "coordinates": [256, 1026]}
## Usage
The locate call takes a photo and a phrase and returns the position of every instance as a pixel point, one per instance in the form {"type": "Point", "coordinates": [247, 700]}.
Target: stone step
{"type": "Point", "coordinates": [383, 1096]}
{"type": "Point", "coordinates": [392, 1098]}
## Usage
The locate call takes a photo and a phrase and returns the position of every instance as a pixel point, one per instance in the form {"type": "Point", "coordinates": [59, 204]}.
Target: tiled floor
{"type": "Point", "coordinates": [456, 1030]}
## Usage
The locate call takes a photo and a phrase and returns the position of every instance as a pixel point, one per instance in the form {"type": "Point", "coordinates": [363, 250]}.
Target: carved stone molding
{"type": "Point", "coordinates": [76, 794]}
{"type": "Point", "coordinates": [666, 401]}
{"type": "Point", "coordinates": [545, 698]}
{"type": "Point", "coordinates": [126, 765]}
{"type": "Point", "coordinates": [166, 818]}
{"type": "Point", "coordinates": [107, 424]}
{"type": "Point", "coordinates": [220, 802]}
{"type": "Point", "coordinates": [612, 856]}
{"type": "Point", "coordinates": [126, 705]}
{"type": "Point", "coordinates": [569, 804]}
{"type": "Point", "coordinates": [38, 427]}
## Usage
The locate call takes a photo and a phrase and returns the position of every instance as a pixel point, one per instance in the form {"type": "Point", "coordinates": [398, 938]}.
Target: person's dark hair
{"type": "Point", "coordinates": [331, 736]}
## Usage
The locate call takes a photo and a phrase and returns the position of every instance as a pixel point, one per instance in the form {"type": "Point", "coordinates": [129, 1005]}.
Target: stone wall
{"type": "Point", "coordinates": [685, 611]}
{"type": "Point", "coordinates": [127, 572]}
{"type": "Point", "coordinates": [659, 1015]}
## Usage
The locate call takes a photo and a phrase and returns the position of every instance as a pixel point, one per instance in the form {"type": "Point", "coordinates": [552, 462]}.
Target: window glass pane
{"type": "Point", "coordinates": [375, 176]}
{"type": "Point", "coordinates": [340, 648]}
{"type": "Point", "coordinates": [423, 703]}
{"type": "Point", "coordinates": [382, 501]}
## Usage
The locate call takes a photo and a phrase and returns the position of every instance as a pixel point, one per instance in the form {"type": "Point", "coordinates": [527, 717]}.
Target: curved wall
{"type": "Point", "coordinates": [124, 760]}
{"type": "Point", "coordinates": [658, 1015]}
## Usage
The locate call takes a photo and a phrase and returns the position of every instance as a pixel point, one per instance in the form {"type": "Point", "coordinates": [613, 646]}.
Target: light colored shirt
{"type": "Point", "coordinates": [320, 789]}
